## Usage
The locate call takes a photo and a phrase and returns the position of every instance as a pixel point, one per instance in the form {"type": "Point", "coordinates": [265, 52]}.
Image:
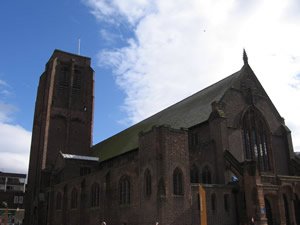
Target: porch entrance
{"type": "Point", "coordinates": [269, 212]}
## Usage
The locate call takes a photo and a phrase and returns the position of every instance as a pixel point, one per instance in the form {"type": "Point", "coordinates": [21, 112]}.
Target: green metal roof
{"type": "Point", "coordinates": [184, 114]}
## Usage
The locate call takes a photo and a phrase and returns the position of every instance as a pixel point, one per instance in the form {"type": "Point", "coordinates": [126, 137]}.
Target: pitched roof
{"type": "Point", "coordinates": [6, 174]}
{"type": "Point", "coordinates": [184, 114]}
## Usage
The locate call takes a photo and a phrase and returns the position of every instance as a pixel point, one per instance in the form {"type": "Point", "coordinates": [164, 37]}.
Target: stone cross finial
{"type": "Point", "coordinates": [245, 57]}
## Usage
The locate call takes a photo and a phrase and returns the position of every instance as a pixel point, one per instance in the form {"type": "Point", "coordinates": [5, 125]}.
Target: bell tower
{"type": "Point", "coordinates": [62, 122]}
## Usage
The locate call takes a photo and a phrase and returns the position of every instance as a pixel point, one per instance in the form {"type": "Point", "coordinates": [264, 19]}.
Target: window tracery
{"type": "Point", "coordinates": [256, 143]}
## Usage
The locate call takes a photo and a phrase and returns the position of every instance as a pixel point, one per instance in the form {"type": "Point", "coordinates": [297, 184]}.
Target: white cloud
{"type": "Point", "coordinates": [182, 46]}
{"type": "Point", "coordinates": [112, 10]}
{"type": "Point", "coordinates": [296, 82]}
{"type": "Point", "coordinates": [14, 148]}
{"type": "Point", "coordinates": [3, 83]}
{"type": "Point", "coordinates": [5, 111]}
{"type": "Point", "coordinates": [14, 139]}
{"type": "Point", "coordinates": [108, 37]}
{"type": "Point", "coordinates": [4, 89]}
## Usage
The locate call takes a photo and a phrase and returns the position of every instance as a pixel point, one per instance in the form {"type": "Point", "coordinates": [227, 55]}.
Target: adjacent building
{"type": "Point", "coordinates": [222, 156]}
{"type": "Point", "coordinates": [12, 191]}
{"type": "Point", "coordinates": [14, 182]}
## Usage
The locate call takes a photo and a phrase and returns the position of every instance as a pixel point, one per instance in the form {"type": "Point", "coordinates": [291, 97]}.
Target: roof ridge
{"type": "Point", "coordinates": [169, 107]}
{"type": "Point", "coordinates": [198, 92]}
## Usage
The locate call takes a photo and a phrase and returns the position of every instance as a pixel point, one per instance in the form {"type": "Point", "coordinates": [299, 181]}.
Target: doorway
{"type": "Point", "coordinates": [286, 209]}
{"type": "Point", "coordinates": [269, 212]}
{"type": "Point", "coordinates": [297, 209]}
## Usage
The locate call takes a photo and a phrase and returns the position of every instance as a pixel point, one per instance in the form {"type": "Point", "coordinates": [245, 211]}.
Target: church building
{"type": "Point", "coordinates": [222, 156]}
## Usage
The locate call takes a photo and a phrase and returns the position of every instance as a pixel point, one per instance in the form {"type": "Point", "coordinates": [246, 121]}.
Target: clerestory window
{"type": "Point", "coordinates": [95, 195]}
{"type": "Point", "coordinates": [194, 174]}
{"type": "Point", "coordinates": [58, 201]}
{"type": "Point", "coordinates": [74, 198]}
{"type": "Point", "coordinates": [148, 184]}
{"type": "Point", "coordinates": [206, 175]}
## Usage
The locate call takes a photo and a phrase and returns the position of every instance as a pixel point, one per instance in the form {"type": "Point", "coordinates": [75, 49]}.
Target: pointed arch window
{"type": "Point", "coordinates": [206, 175]}
{"type": "Point", "coordinates": [107, 183]}
{"type": "Point", "coordinates": [256, 138]}
{"type": "Point", "coordinates": [58, 201]}
{"type": "Point", "coordinates": [124, 190]}
{"type": "Point", "coordinates": [286, 209]}
{"type": "Point", "coordinates": [148, 184]}
{"type": "Point", "coordinates": [213, 202]}
{"type": "Point", "coordinates": [177, 182]}
{"type": "Point", "coordinates": [95, 195]}
{"type": "Point", "coordinates": [194, 174]}
{"type": "Point", "coordinates": [226, 203]}
{"type": "Point", "coordinates": [74, 198]}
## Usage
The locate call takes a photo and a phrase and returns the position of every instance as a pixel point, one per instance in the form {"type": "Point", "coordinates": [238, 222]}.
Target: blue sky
{"type": "Point", "coordinates": [146, 55]}
{"type": "Point", "coordinates": [31, 30]}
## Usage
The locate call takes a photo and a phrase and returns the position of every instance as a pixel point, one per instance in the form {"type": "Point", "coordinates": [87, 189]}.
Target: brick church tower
{"type": "Point", "coordinates": [62, 122]}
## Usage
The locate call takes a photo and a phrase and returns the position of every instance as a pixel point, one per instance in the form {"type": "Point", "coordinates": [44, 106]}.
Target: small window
{"type": "Point", "coordinates": [194, 139]}
{"type": "Point", "coordinates": [58, 201]}
{"type": "Point", "coordinates": [213, 202]}
{"type": "Point", "coordinates": [16, 199]}
{"type": "Point", "coordinates": [194, 174]}
{"type": "Point", "coordinates": [107, 183]}
{"type": "Point", "coordinates": [147, 183]}
{"type": "Point", "coordinates": [74, 198]}
{"type": "Point", "coordinates": [9, 188]}
{"type": "Point", "coordinates": [226, 203]}
{"type": "Point", "coordinates": [20, 199]}
{"type": "Point", "coordinates": [177, 182]}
